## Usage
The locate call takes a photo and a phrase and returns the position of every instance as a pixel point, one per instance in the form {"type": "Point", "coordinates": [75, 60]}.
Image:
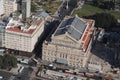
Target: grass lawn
{"type": "Point", "coordinates": [91, 10]}
{"type": "Point", "coordinates": [51, 7]}
{"type": "Point", "coordinates": [87, 10]}
{"type": "Point", "coordinates": [116, 14]}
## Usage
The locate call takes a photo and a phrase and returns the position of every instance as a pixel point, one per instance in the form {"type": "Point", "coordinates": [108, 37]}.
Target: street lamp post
{"type": "Point", "coordinates": [67, 5]}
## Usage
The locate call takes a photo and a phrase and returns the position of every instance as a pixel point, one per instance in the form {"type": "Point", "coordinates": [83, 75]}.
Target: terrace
{"type": "Point", "coordinates": [28, 29]}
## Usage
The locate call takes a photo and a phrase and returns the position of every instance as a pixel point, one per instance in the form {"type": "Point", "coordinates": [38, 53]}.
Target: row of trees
{"type": "Point", "coordinates": [33, 7]}
{"type": "Point", "coordinates": [104, 4]}
{"type": "Point", "coordinates": [7, 61]}
{"type": "Point", "coordinates": [104, 20]}
{"type": "Point", "coordinates": [73, 3]}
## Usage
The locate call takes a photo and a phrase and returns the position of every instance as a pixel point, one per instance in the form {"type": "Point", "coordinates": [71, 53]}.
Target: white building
{"type": "Point", "coordinates": [23, 37]}
{"type": "Point", "coordinates": [7, 6]}
{"type": "Point", "coordinates": [69, 43]}
{"type": "Point", "coordinates": [1, 7]}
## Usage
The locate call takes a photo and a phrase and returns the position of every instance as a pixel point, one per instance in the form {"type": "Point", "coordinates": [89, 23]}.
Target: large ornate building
{"type": "Point", "coordinates": [70, 42]}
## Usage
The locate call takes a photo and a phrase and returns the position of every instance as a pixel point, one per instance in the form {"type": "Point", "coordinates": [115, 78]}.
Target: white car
{"type": "Point", "coordinates": [101, 34]}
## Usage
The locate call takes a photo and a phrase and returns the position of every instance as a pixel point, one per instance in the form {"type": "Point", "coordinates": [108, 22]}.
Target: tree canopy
{"type": "Point", "coordinates": [104, 4]}
{"type": "Point", "coordinates": [33, 7]}
{"type": "Point", "coordinates": [73, 3]}
{"type": "Point", "coordinates": [8, 61]}
{"type": "Point", "coordinates": [108, 5]}
{"type": "Point", "coordinates": [97, 2]}
{"type": "Point", "coordinates": [104, 20]}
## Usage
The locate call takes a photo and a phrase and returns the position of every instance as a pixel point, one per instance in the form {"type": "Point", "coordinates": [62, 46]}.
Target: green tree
{"type": "Point", "coordinates": [104, 20]}
{"type": "Point", "coordinates": [50, 1]}
{"type": "Point", "coordinates": [88, 78]}
{"type": "Point", "coordinates": [8, 61]}
{"type": "Point", "coordinates": [109, 5]}
{"type": "Point", "coordinates": [33, 7]}
{"type": "Point", "coordinates": [41, 68]}
{"type": "Point", "coordinates": [97, 2]}
{"type": "Point", "coordinates": [0, 61]}
{"type": "Point", "coordinates": [73, 3]}
{"type": "Point", "coordinates": [13, 61]}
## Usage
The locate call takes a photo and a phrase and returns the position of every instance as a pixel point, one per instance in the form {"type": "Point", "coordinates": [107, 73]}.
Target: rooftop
{"type": "Point", "coordinates": [74, 26]}
{"type": "Point", "coordinates": [42, 13]}
{"type": "Point", "coordinates": [24, 28]}
{"type": "Point", "coordinates": [78, 29]}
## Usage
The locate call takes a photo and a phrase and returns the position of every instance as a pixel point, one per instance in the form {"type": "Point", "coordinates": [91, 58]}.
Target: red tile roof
{"type": "Point", "coordinates": [85, 46]}
{"type": "Point", "coordinates": [90, 22]}
{"type": "Point", "coordinates": [86, 35]}
{"type": "Point", "coordinates": [17, 29]}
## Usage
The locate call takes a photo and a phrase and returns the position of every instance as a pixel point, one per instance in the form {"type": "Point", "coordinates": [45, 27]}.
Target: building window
{"type": "Point", "coordinates": [70, 57]}
{"type": "Point", "coordinates": [48, 59]}
{"type": "Point", "coordinates": [60, 55]}
{"type": "Point", "coordinates": [63, 55]}
{"type": "Point", "coordinates": [66, 56]}
{"type": "Point", "coordinates": [55, 54]}
{"type": "Point", "coordinates": [44, 53]}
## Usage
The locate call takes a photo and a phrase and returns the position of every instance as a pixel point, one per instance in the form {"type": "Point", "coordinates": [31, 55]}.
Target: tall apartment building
{"type": "Point", "coordinates": [2, 31]}
{"type": "Point", "coordinates": [26, 8]}
{"type": "Point", "coordinates": [9, 6]}
{"type": "Point", "coordinates": [19, 2]}
{"type": "Point", "coordinates": [70, 42]}
{"type": "Point", "coordinates": [3, 23]}
{"type": "Point", "coordinates": [1, 7]}
{"type": "Point", "coordinates": [22, 37]}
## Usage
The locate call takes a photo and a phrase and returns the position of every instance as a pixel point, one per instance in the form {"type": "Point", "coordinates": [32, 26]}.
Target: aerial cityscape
{"type": "Point", "coordinates": [59, 39]}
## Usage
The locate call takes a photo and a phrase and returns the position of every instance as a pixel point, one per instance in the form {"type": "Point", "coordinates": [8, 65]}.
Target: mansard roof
{"type": "Point", "coordinates": [74, 27]}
